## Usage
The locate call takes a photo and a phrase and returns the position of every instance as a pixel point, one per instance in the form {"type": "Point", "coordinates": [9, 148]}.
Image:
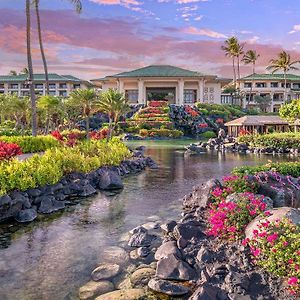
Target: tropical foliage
{"type": "Point", "coordinates": [290, 111]}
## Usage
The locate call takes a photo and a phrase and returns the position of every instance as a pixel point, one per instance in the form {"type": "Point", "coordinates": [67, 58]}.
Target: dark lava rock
{"type": "Point", "coordinates": [26, 215]}
{"type": "Point", "coordinates": [200, 196]}
{"type": "Point", "coordinates": [172, 268]}
{"type": "Point", "coordinates": [34, 192]}
{"type": "Point", "coordinates": [166, 249]}
{"type": "Point", "coordinates": [205, 255]}
{"type": "Point", "coordinates": [88, 190]}
{"type": "Point", "coordinates": [49, 204]}
{"type": "Point", "coordinates": [110, 180]}
{"type": "Point", "coordinates": [9, 207]}
{"type": "Point", "coordinates": [188, 232]}
{"type": "Point", "coordinates": [167, 287]}
{"type": "Point", "coordinates": [168, 227]}
{"type": "Point", "coordinates": [140, 238]}
{"type": "Point", "coordinates": [207, 292]}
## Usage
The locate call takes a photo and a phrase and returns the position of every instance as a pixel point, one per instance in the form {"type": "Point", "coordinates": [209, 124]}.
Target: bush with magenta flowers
{"type": "Point", "coordinates": [9, 150]}
{"type": "Point", "coordinates": [276, 248]}
{"type": "Point", "coordinates": [229, 219]}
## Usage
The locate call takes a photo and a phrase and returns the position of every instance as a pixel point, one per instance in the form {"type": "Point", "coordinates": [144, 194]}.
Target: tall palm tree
{"type": "Point", "coordinates": [24, 71]}
{"type": "Point", "coordinates": [115, 105]}
{"type": "Point", "coordinates": [30, 70]}
{"type": "Point", "coordinates": [250, 57]}
{"type": "Point", "coordinates": [78, 8]}
{"type": "Point", "coordinates": [230, 50]}
{"type": "Point", "coordinates": [284, 63]}
{"type": "Point", "coordinates": [238, 51]}
{"type": "Point", "coordinates": [87, 100]}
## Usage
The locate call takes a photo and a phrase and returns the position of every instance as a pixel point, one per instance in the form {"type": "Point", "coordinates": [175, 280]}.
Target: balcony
{"type": "Point", "coordinates": [62, 85]}
{"type": "Point", "coordinates": [13, 86]}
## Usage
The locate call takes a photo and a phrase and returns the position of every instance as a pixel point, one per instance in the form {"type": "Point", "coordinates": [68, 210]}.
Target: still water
{"type": "Point", "coordinates": [53, 256]}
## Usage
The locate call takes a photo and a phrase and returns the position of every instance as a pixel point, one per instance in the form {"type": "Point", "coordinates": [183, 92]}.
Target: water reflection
{"type": "Point", "coordinates": [52, 257]}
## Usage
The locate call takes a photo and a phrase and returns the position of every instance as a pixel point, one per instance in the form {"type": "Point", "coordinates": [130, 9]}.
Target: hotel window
{"type": "Point", "coordinates": [296, 85]}
{"type": "Point", "coordinates": [288, 85]}
{"type": "Point", "coordinates": [211, 97]}
{"type": "Point", "coordinates": [132, 96]}
{"type": "Point", "coordinates": [25, 86]}
{"type": "Point", "coordinates": [39, 86]}
{"type": "Point", "coordinates": [76, 86]}
{"type": "Point", "coordinates": [274, 84]}
{"type": "Point", "coordinates": [13, 86]}
{"type": "Point", "coordinates": [1, 85]}
{"type": "Point", "coordinates": [206, 90]}
{"type": "Point", "coordinates": [62, 85]}
{"type": "Point", "coordinates": [211, 90]}
{"type": "Point", "coordinates": [190, 96]}
{"type": "Point", "coordinates": [247, 84]}
{"type": "Point", "coordinates": [52, 86]}
{"type": "Point", "coordinates": [52, 93]}
{"type": "Point", "coordinates": [205, 97]}
{"type": "Point", "coordinates": [261, 85]}
{"type": "Point", "coordinates": [63, 93]}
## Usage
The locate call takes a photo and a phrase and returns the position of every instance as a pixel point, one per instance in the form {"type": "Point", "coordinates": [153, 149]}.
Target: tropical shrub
{"type": "Point", "coordinates": [32, 144]}
{"type": "Point", "coordinates": [229, 219]}
{"type": "Point", "coordinates": [158, 103]}
{"type": "Point", "coordinates": [49, 168]}
{"type": "Point", "coordinates": [208, 135]}
{"type": "Point", "coordinates": [276, 248]}
{"type": "Point", "coordinates": [100, 134]}
{"type": "Point", "coordinates": [9, 150]}
{"type": "Point", "coordinates": [170, 133]}
{"type": "Point", "coordinates": [284, 168]}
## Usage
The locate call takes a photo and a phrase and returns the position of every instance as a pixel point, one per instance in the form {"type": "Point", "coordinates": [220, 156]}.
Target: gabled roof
{"type": "Point", "coordinates": [155, 71]}
{"type": "Point", "coordinates": [39, 77]}
{"type": "Point", "coordinates": [257, 120]}
{"type": "Point", "coordinates": [271, 77]}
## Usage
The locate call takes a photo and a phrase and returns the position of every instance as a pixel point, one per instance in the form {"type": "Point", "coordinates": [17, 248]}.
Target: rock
{"type": "Point", "coordinates": [291, 214]}
{"type": "Point", "coordinates": [34, 192]}
{"type": "Point", "coordinates": [26, 215]}
{"type": "Point", "coordinates": [172, 268]}
{"type": "Point", "coordinates": [143, 251]}
{"type": "Point", "coordinates": [207, 292]}
{"type": "Point", "coordinates": [166, 249]}
{"type": "Point", "coordinates": [141, 239]}
{"type": "Point", "coordinates": [9, 207]}
{"type": "Point", "coordinates": [115, 255]}
{"type": "Point", "coordinates": [105, 271]}
{"type": "Point", "coordinates": [151, 225]}
{"type": "Point", "coordinates": [201, 195]}
{"type": "Point", "coordinates": [131, 294]}
{"type": "Point", "coordinates": [188, 231]}
{"type": "Point", "coordinates": [141, 277]}
{"type": "Point", "coordinates": [205, 255]}
{"type": "Point", "coordinates": [124, 284]}
{"type": "Point", "coordinates": [87, 191]}
{"type": "Point", "coordinates": [168, 227]}
{"type": "Point", "coordinates": [109, 180]}
{"type": "Point", "coordinates": [93, 289]}
{"type": "Point", "coordinates": [49, 204]}
{"type": "Point", "coordinates": [167, 287]}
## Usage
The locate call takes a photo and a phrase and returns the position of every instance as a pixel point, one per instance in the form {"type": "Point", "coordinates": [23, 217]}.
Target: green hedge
{"type": "Point", "coordinates": [284, 168]}
{"type": "Point", "coordinates": [49, 168]}
{"type": "Point", "coordinates": [32, 144]}
{"type": "Point", "coordinates": [208, 134]}
{"type": "Point", "coordinates": [276, 140]}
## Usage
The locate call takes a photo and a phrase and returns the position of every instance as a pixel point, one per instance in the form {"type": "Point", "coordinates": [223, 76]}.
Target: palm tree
{"type": "Point", "coordinates": [250, 57]}
{"type": "Point", "coordinates": [229, 49]}
{"type": "Point", "coordinates": [24, 71]}
{"type": "Point", "coordinates": [87, 100]}
{"type": "Point", "coordinates": [115, 105]}
{"type": "Point", "coordinates": [239, 51]}
{"type": "Point", "coordinates": [30, 70]}
{"type": "Point", "coordinates": [78, 7]}
{"type": "Point", "coordinates": [284, 63]}
{"type": "Point", "coordinates": [50, 106]}
{"type": "Point", "coordinates": [12, 73]}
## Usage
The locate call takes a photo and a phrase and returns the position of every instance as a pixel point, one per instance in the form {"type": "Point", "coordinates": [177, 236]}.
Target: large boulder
{"type": "Point", "coordinates": [291, 214]}
{"type": "Point", "coordinates": [26, 215]}
{"type": "Point", "coordinates": [105, 271]}
{"type": "Point", "coordinates": [109, 180]}
{"type": "Point", "coordinates": [141, 277]}
{"type": "Point", "coordinates": [141, 238]}
{"type": "Point", "coordinates": [201, 194]}
{"type": "Point", "coordinates": [172, 268]}
{"type": "Point", "coordinates": [9, 207]}
{"type": "Point", "coordinates": [167, 287]}
{"type": "Point", "coordinates": [130, 294]}
{"type": "Point", "coordinates": [166, 249]}
{"type": "Point", "coordinates": [93, 289]}
{"type": "Point", "coordinates": [49, 204]}
{"type": "Point", "coordinates": [208, 292]}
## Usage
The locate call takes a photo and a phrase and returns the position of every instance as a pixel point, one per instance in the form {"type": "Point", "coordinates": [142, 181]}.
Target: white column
{"type": "Point", "coordinates": [5, 88]}
{"type": "Point", "coordinates": [69, 88]}
{"type": "Point", "coordinates": [121, 86]}
{"type": "Point", "coordinates": [180, 92]}
{"type": "Point", "coordinates": [19, 89]}
{"type": "Point", "coordinates": [200, 91]}
{"type": "Point", "coordinates": [44, 89]}
{"type": "Point", "coordinates": [141, 88]}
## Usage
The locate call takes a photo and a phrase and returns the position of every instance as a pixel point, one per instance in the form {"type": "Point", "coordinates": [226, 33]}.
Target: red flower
{"type": "Point", "coordinates": [9, 150]}
{"type": "Point", "coordinates": [56, 134]}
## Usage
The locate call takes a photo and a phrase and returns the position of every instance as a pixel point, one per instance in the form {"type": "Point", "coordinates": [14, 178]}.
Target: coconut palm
{"type": "Point", "coordinates": [24, 71]}
{"type": "Point", "coordinates": [238, 51]}
{"type": "Point", "coordinates": [12, 73]}
{"type": "Point", "coordinates": [30, 70]}
{"type": "Point", "coordinates": [78, 8]}
{"type": "Point", "coordinates": [283, 63]}
{"type": "Point", "coordinates": [50, 106]}
{"type": "Point", "coordinates": [87, 100]}
{"type": "Point", "coordinates": [115, 105]}
{"type": "Point", "coordinates": [230, 50]}
{"type": "Point", "coordinates": [250, 57]}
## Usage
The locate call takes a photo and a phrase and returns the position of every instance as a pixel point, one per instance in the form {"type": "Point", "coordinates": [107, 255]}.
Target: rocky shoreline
{"type": "Point", "coordinates": [179, 260]}
{"type": "Point", "coordinates": [25, 206]}
{"type": "Point", "coordinates": [231, 145]}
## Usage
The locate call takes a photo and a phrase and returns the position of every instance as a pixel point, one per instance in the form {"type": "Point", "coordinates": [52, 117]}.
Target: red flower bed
{"type": "Point", "coordinates": [9, 150]}
{"type": "Point", "coordinates": [191, 111]}
{"type": "Point", "coordinates": [56, 134]}
{"type": "Point", "coordinates": [158, 103]}
{"type": "Point", "coordinates": [99, 135]}
{"type": "Point", "coordinates": [244, 132]}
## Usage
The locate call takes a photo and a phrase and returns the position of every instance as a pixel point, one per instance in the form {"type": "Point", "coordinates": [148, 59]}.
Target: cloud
{"type": "Point", "coordinates": [117, 2]}
{"type": "Point", "coordinates": [295, 29]}
{"type": "Point", "coordinates": [203, 31]}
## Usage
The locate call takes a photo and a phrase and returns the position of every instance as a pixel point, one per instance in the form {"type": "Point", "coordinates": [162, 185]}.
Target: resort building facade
{"type": "Point", "coordinates": [59, 85]}
{"type": "Point", "coordinates": [271, 85]}
{"type": "Point", "coordinates": [164, 82]}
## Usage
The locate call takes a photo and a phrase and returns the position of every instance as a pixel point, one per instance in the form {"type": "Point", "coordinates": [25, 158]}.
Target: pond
{"type": "Point", "coordinates": [53, 256]}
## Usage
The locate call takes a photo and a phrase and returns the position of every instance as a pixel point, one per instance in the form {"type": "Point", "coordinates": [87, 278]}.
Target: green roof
{"type": "Point", "coordinates": [158, 71]}
{"type": "Point", "coordinates": [271, 77]}
{"type": "Point", "coordinates": [39, 77]}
